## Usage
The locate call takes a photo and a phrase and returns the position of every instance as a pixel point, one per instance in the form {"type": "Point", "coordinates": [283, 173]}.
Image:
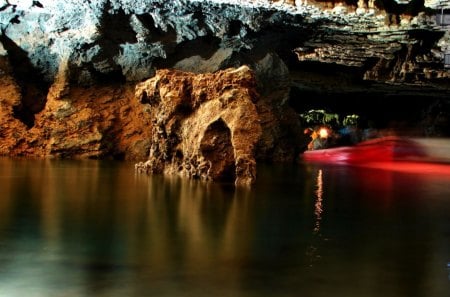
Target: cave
{"type": "Point", "coordinates": [69, 72]}
{"type": "Point", "coordinates": [407, 109]}
{"type": "Point", "coordinates": [217, 149]}
{"type": "Point", "coordinates": [225, 148]}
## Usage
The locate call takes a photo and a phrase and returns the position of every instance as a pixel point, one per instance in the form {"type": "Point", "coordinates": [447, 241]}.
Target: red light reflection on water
{"type": "Point", "coordinates": [421, 168]}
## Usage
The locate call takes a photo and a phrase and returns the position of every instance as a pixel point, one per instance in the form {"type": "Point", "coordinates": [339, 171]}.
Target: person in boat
{"type": "Point", "coordinates": [320, 138]}
{"type": "Point", "coordinates": [350, 134]}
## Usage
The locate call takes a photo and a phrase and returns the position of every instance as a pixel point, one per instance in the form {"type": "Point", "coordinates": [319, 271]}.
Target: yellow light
{"type": "Point", "coordinates": [323, 133]}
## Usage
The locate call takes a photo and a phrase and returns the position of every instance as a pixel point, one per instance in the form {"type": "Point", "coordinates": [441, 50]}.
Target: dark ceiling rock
{"type": "Point", "coordinates": [118, 39]}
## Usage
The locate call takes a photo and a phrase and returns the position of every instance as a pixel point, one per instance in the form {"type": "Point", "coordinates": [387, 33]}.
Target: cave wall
{"type": "Point", "coordinates": [204, 126]}
{"type": "Point", "coordinates": [104, 40]}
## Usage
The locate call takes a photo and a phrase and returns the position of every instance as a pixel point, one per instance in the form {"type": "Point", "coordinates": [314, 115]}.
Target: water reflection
{"type": "Point", "coordinates": [92, 228]}
{"type": "Point", "coordinates": [313, 252]}
{"type": "Point", "coordinates": [318, 206]}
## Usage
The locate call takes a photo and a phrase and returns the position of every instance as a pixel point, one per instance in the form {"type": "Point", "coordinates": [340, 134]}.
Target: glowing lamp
{"type": "Point", "coordinates": [323, 133]}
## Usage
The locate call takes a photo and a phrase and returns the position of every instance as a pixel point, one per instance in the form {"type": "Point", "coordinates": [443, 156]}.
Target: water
{"type": "Point", "coordinates": [95, 228]}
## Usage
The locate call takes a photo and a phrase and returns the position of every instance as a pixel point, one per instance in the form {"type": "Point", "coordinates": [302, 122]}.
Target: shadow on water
{"type": "Point", "coordinates": [95, 228]}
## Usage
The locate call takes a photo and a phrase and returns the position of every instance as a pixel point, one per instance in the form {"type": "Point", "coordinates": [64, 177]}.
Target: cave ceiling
{"type": "Point", "coordinates": [385, 46]}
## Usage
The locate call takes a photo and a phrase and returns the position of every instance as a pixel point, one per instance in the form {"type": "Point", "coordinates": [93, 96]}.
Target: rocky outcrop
{"type": "Point", "coordinates": [209, 126]}
{"type": "Point", "coordinates": [10, 100]}
{"type": "Point", "coordinates": [282, 135]}
{"type": "Point", "coordinates": [203, 126]}
{"type": "Point", "coordinates": [76, 122]}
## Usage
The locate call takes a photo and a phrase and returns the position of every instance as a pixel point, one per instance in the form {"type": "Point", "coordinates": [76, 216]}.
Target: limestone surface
{"type": "Point", "coordinates": [203, 126]}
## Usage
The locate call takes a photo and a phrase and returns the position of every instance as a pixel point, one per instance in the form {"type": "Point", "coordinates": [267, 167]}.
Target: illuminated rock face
{"type": "Point", "coordinates": [203, 126]}
{"type": "Point", "coordinates": [207, 126]}
{"type": "Point", "coordinates": [76, 122]}
{"type": "Point", "coordinates": [215, 126]}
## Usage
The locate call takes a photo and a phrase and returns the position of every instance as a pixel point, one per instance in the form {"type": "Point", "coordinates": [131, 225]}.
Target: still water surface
{"type": "Point", "coordinates": [95, 228]}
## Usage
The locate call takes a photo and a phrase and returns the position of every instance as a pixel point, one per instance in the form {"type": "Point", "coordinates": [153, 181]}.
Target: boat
{"type": "Point", "coordinates": [383, 149]}
{"type": "Point", "coordinates": [394, 154]}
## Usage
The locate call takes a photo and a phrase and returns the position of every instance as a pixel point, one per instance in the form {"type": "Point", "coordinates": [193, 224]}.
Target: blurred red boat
{"type": "Point", "coordinates": [384, 149]}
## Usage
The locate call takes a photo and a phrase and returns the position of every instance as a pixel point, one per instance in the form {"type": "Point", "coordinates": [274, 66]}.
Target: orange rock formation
{"type": "Point", "coordinates": [203, 126]}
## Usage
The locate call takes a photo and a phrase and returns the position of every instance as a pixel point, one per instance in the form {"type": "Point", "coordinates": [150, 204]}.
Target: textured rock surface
{"type": "Point", "coordinates": [204, 126]}
{"type": "Point", "coordinates": [76, 122]}
{"type": "Point", "coordinates": [129, 39]}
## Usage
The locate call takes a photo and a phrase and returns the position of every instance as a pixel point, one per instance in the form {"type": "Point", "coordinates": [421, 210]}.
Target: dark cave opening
{"type": "Point", "coordinates": [33, 88]}
{"type": "Point", "coordinates": [407, 109]}
{"type": "Point", "coordinates": [407, 113]}
{"type": "Point", "coordinates": [217, 149]}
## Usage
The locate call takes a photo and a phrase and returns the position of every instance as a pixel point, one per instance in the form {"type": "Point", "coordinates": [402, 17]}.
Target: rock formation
{"type": "Point", "coordinates": [76, 122]}
{"type": "Point", "coordinates": [99, 123]}
{"type": "Point", "coordinates": [203, 126]}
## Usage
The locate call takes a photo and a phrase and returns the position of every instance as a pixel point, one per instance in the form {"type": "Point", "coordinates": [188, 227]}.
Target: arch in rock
{"type": "Point", "coordinates": [217, 149]}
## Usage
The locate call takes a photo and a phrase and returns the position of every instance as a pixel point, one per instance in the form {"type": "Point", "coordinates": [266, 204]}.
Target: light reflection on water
{"type": "Point", "coordinates": [93, 228]}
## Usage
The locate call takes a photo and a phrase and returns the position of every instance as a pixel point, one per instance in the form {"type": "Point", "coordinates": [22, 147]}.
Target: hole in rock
{"type": "Point", "coordinates": [217, 149]}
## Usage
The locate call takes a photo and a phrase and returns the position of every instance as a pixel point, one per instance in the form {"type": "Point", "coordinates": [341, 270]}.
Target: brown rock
{"type": "Point", "coordinates": [76, 122]}
{"type": "Point", "coordinates": [11, 129]}
{"type": "Point", "coordinates": [97, 122]}
{"type": "Point", "coordinates": [208, 126]}
{"type": "Point", "coordinates": [204, 126]}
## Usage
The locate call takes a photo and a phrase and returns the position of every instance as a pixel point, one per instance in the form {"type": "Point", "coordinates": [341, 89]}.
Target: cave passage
{"type": "Point", "coordinates": [407, 113]}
